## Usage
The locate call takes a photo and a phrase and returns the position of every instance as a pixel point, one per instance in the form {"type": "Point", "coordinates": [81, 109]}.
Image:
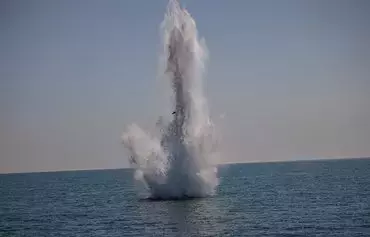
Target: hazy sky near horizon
{"type": "Point", "coordinates": [291, 77]}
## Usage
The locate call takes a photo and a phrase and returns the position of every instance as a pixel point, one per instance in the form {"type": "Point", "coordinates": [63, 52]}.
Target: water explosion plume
{"type": "Point", "coordinates": [179, 164]}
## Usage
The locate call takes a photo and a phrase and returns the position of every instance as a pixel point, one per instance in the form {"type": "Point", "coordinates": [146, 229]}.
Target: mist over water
{"type": "Point", "coordinates": [181, 162]}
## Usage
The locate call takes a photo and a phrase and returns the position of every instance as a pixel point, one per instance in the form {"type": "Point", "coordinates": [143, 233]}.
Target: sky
{"type": "Point", "coordinates": [291, 78]}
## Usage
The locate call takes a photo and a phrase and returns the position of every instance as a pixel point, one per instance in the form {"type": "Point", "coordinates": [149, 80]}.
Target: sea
{"type": "Point", "coordinates": [301, 198]}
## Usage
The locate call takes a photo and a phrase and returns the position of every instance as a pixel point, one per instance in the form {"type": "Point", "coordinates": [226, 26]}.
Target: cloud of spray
{"type": "Point", "coordinates": [181, 163]}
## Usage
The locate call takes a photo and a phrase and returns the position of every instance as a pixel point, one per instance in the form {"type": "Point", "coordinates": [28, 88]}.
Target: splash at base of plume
{"type": "Point", "coordinates": [180, 163]}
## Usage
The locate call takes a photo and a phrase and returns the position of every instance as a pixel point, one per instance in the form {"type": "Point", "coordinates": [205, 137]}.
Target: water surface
{"type": "Point", "coordinates": [317, 198]}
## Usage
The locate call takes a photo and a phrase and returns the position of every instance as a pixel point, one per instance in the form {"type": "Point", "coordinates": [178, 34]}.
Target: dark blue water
{"type": "Point", "coordinates": [320, 198]}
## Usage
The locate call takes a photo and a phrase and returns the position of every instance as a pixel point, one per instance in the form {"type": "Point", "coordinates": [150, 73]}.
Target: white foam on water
{"type": "Point", "coordinates": [181, 163]}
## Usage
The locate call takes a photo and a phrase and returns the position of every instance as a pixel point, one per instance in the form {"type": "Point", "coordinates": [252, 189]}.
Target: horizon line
{"type": "Point", "coordinates": [219, 164]}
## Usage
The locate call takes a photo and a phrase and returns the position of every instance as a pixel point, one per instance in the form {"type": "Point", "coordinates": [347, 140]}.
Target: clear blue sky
{"type": "Point", "coordinates": [292, 78]}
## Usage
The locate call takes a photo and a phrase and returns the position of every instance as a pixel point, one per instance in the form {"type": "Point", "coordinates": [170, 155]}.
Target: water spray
{"type": "Point", "coordinates": [180, 164]}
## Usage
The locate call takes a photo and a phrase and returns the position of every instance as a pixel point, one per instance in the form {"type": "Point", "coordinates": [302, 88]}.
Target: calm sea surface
{"type": "Point", "coordinates": [317, 198]}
